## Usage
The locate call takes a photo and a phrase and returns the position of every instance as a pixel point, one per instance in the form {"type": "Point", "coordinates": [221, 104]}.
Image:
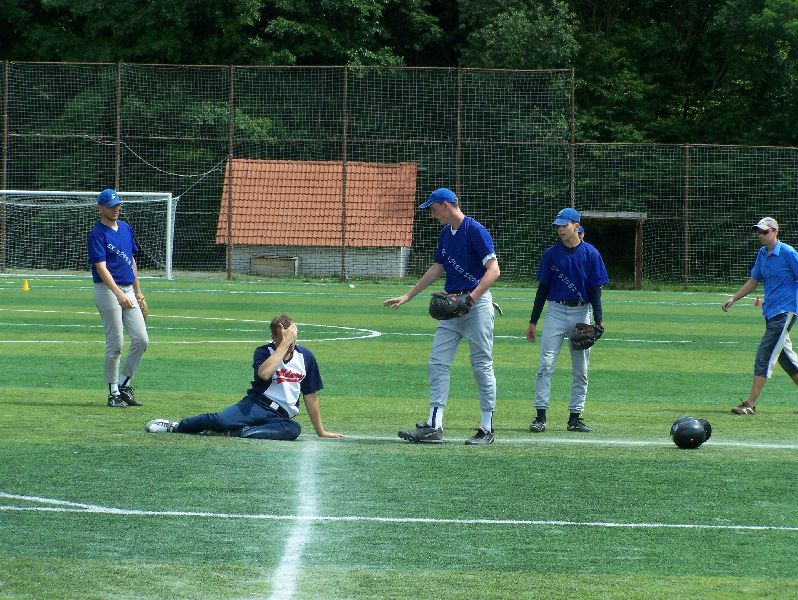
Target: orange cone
{"type": "Point", "coordinates": [757, 302]}
{"type": "Point", "coordinates": [25, 286]}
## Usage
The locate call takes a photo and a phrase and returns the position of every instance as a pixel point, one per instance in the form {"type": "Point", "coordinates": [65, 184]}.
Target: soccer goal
{"type": "Point", "coordinates": [46, 231]}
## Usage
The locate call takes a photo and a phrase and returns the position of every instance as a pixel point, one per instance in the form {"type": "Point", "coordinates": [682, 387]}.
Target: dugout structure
{"type": "Point", "coordinates": [45, 231]}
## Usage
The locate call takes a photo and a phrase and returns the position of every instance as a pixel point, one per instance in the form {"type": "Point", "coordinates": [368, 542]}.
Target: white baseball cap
{"type": "Point", "coordinates": [765, 224]}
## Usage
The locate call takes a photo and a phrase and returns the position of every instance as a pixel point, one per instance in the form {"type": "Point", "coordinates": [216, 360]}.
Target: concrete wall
{"type": "Point", "coordinates": [323, 261]}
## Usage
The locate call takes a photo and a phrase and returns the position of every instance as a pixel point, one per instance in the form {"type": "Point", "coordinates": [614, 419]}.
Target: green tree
{"type": "Point", "coordinates": [216, 31]}
{"type": "Point", "coordinates": [508, 34]}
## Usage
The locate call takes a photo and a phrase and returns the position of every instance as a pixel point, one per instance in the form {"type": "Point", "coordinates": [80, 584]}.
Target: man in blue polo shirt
{"type": "Point", "coordinates": [570, 276]}
{"type": "Point", "coordinates": [776, 266]}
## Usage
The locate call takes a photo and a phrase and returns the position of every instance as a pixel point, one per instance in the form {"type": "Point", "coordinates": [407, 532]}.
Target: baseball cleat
{"type": "Point", "coordinates": [480, 438]}
{"type": "Point", "coordinates": [126, 393]}
{"type": "Point", "coordinates": [160, 426]}
{"type": "Point", "coordinates": [422, 435]}
{"type": "Point", "coordinates": [744, 408]}
{"type": "Point", "coordinates": [537, 426]}
{"type": "Point", "coordinates": [578, 425]}
{"type": "Point", "coordinates": [115, 401]}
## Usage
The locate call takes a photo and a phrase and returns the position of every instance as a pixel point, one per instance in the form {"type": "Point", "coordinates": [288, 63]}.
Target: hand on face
{"type": "Point", "coordinates": [286, 338]}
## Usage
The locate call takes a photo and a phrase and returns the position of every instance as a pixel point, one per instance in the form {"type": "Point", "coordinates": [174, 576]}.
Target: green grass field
{"type": "Point", "coordinates": [93, 507]}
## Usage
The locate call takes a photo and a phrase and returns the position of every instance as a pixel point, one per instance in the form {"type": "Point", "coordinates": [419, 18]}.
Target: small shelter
{"type": "Point", "coordinates": [298, 218]}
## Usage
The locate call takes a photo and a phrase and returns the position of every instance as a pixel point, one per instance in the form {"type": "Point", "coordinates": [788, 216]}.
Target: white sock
{"type": "Point", "coordinates": [123, 381]}
{"type": "Point", "coordinates": [436, 417]}
{"type": "Point", "coordinates": [114, 388]}
{"type": "Point", "coordinates": [487, 420]}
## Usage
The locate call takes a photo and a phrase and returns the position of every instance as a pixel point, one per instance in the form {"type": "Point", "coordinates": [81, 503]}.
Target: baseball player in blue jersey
{"type": "Point", "coordinates": [570, 276]}
{"type": "Point", "coordinates": [117, 295]}
{"type": "Point", "coordinates": [282, 371]}
{"type": "Point", "coordinates": [776, 266]}
{"type": "Point", "coordinates": [465, 255]}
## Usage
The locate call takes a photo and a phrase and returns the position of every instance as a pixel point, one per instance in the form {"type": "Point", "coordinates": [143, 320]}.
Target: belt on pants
{"type": "Point", "coordinates": [279, 410]}
{"type": "Point", "coordinates": [570, 302]}
{"type": "Point", "coordinates": [460, 291]}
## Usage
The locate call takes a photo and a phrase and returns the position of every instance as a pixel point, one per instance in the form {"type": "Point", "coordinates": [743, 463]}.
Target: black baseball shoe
{"type": "Point", "coordinates": [126, 393]}
{"type": "Point", "coordinates": [480, 438]}
{"type": "Point", "coordinates": [578, 425]}
{"type": "Point", "coordinates": [115, 401]}
{"type": "Point", "coordinates": [537, 426]}
{"type": "Point", "coordinates": [426, 434]}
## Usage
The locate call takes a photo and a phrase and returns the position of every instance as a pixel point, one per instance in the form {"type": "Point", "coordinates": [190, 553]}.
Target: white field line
{"type": "Point", "coordinates": [346, 333]}
{"type": "Point", "coordinates": [63, 506]}
{"type": "Point", "coordinates": [337, 289]}
{"type": "Point", "coordinates": [355, 333]}
{"type": "Point", "coordinates": [285, 577]}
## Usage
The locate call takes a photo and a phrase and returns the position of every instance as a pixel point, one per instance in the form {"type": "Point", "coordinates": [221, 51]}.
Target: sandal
{"type": "Point", "coordinates": [744, 408]}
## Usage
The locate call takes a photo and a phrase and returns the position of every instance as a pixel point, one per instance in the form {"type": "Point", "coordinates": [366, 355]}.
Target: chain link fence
{"type": "Point", "coordinates": [503, 139]}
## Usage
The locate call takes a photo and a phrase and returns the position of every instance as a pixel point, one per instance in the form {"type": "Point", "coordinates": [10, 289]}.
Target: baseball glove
{"type": "Point", "coordinates": [145, 310]}
{"type": "Point", "coordinates": [585, 335]}
{"type": "Point", "coordinates": [449, 306]}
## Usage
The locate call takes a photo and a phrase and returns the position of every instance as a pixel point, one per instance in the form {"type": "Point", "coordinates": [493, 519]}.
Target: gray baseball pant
{"type": "Point", "coordinates": [115, 321]}
{"type": "Point", "coordinates": [561, 320]}
{"type": "Point", "coordinates": [476, 327]}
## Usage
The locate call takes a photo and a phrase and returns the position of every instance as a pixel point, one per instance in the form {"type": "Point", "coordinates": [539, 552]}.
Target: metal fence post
{"type": "Point", "coordinates": [230, 149]}
{"type": "Point", "coordinates": [344, 151]}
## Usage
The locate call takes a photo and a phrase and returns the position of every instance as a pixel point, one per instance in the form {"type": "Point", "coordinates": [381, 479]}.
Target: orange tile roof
{"type": "Point", "coordinates": [298, 203]}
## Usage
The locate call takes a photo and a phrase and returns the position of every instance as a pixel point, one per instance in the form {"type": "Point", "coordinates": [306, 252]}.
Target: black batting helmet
{"type": "Point", "coordinates": [688, 433]}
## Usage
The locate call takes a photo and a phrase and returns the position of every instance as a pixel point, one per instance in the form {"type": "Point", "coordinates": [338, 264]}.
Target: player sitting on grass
{"type": "Point", "coordinates": [283, 371]}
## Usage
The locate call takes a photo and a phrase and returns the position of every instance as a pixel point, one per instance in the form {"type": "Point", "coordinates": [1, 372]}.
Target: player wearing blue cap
{"type": "Point", "coordinates": [571, 275]}
{"type": "Point", "coordinates": [465, 255]}
{"type": "Point", "coordinates": [117, 295]}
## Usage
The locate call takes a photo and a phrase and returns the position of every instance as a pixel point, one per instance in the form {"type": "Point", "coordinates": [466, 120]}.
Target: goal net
{"type": "Point", "coordinates": [45, 231]}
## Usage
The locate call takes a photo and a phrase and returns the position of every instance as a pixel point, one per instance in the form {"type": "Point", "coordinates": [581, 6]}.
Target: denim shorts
{"type": "Point", "coordinates": [776, 346]}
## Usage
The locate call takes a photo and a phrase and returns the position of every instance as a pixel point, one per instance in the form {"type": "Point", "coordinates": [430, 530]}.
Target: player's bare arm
{"type": "Point", "coordinates": [434, 273]}
{"type": "Point", "coordinates": [488, 279]}
{"type": "Point", "coordinates": [748, 287]}
{"type": "Point", "coordinates": [136, 286]}
{"type": "Point", "coordinates": [312, 406]}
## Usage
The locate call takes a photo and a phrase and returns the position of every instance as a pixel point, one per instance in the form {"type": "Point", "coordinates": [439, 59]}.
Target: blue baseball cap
{"type": "Point", "coordinates": [565, 216]}
{"type": "Point", "coordinates": [109, 198]}
{"type": "Point", "coordinates": [440, 195]}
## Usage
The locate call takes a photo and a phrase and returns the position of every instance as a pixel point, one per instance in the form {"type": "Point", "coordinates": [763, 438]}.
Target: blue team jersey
{"type": "Point", "coordinates": [571, 272]}
{"type": "Point", "coordinates": [300, 374]}
{"type": "Point", "coordinates": [463, 254]}
{"type": "Point", "coordinates": [778, 270]}
{"type": "Point", "coordinates": [116, 249]}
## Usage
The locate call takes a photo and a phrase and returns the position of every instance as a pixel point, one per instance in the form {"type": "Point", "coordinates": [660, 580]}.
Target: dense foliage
{"type": "Point", "coordinates": [700, 71]}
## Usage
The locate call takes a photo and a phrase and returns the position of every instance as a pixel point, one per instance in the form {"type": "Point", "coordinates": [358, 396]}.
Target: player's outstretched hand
{"type": "Point", "coordinates": [396, 302]}
{"type": "Point", "coordinates": [333, 435]}
{"type": "Point", "coordinates": [727, 305]}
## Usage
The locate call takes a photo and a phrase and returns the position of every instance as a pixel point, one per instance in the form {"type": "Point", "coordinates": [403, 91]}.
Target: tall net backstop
{"type": "Point", "coordinates": [317, 170]}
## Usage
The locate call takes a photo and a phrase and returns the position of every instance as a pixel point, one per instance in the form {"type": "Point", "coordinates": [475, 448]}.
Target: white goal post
{"type": "Point", "coordinates": [44, 231]}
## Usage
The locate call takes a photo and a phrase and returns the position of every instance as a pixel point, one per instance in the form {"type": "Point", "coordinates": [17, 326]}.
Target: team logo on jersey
{"type": "Point", "coordinates": [287, 376]}
{"type": "Point", "coordinates": [120, 253]}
